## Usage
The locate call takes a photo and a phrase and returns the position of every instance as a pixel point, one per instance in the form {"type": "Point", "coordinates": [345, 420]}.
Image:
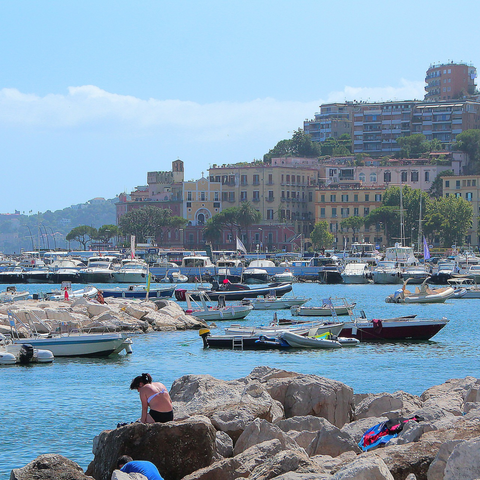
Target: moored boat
{"type": "Point", "coordinates": [422, 294]}
{"type": "Point", "coordinates": [328, 309]}
{"type": "Point", "coordinates": [139, 291]}
{"type": "Point", "coordinates": [299, 341]}
{"type": "Point", "coordinates": [218, 312]}
{"type": "Point", "coordinates": [24, 354]}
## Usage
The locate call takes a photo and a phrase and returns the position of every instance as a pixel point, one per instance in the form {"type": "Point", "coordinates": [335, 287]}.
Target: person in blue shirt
{"type": "Point", "coordinates": [128, 465]}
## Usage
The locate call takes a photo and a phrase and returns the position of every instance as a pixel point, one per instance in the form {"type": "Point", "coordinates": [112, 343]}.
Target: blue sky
{"type": "Point", "coordinates": [93, 95]}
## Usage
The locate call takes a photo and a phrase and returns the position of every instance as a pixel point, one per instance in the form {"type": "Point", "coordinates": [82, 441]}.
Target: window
{"type": "Point", "coordinates": [202, 196]}
{"type": "Point", "coordinates": [367, 197]}
{"type": "Point", "coordinates": [387, 177]}
{"type": "Point", "coordinates": [344, 198]}
{"type": "Point", "coordinates": [345, 212]}
{"type": "Point", "coordinates": [333, 198]}
{"type": "Point", "coordinates": [243, 196]}
{"type": "Point", "coordinates": [322, 198]}
{"type": "Point", "coordinates": [310, 196]}
{"type": "Point", "coordinates": [427, 176]}
{"type": "Point", "coordinates": [288, 178]}
{"type": "Point", "coordinates": [458, 195]}
{"type": "Point", "coordinates": [469, 196]}
{"type": "Point", "coordinates": [269, 214]}
{"type": "Point", "coordinates": [378, 197]}
{"type": "Point", "coordinates": [224, 196]}
{"type": "Point", "coordinates": [256, 196]}
{"type": "Point", "coordinates": [457, 183]}
{"type": "Point", "coordinates": [256, 179]}
{"type": "Point", "coordinates": [270, 179]}
{"type": "Point", "coordinates": [189, 196]}
{"type": "Point", "coordinates": [231, 196]}
{"type": "Point", "coordinates": [447, 183]}
{"type": "Point", "coordinates": [322, 213]}
{"type": "Point", "coordinates": [414, 176]}
{"type": "Point", "coordinates": [474, 183]}
{"type": "Point", "coordinates": [403, 176]}
{"type": "Point", "coordinates": [355, 212]}
{"type": "Point", "coordinates": [243, 180]}
{"type": "Point", "coordinates": [283, 193]}
{"type": "Point", "coordinates": [270, 195]}
{"type": "Point", "coordinates": [366, 211]}
{"type": "Point", "coordinates": [334, 212]}
{"type": "Point", "coordinates": [361, 177]}
{"type": "Point", "coordinates": [216, 197]}
{"type": "Point", "coordinates": [373, 177]}
{"type": "Point", "coordinates": [355, 198]}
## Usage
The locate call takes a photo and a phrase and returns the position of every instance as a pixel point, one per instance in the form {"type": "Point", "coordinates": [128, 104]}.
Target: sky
{"type": "Point", "coordinates": [93, 95]}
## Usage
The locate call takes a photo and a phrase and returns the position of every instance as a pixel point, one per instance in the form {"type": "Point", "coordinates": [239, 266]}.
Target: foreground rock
{"type": "Point", "coordinates": [285, 425]}
{"type": "Point", "coordinates": [117, 314]}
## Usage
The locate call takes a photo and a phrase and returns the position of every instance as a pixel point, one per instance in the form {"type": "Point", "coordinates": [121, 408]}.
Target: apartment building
{"type": "Point", "coordinates": [281, 192]}
{"type": "Point", "coordinates": [467, 187]}
{"type": "Point", "coordinates": [333, 120]}
{"type": "Point", "coordinates": [202, 199]}
{"type": "Point", "coordinates": [448, 81]}
{"type": "Point", "coordinates": [336, 202]}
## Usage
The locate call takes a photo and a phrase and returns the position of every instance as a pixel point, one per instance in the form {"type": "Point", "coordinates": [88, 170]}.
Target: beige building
{"type": "Point", "coordinates": [467, 187]}
{"type": "Point", "coordinates": [202, 199]}
{"type": "Point", "coordinates": [281, 192]}
{"type": "Point", "coordinates": [336, 202]}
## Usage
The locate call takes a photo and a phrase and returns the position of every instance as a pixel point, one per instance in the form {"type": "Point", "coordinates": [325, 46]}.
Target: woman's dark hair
{"type": "Point", "coordinates": [143, 378]}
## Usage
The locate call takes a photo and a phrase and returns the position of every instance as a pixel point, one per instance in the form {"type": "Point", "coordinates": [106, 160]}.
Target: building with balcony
{"type": "Point", "coordinates": [333, 120]}
{"type": "Point", "coordinates": [467, 187]}
{"type": "Point", "coordinates": [447, 81]}
{"type": "Point", "coordinates": [202, 199]}
{"type": "Point", "coordinates": [336, 202]}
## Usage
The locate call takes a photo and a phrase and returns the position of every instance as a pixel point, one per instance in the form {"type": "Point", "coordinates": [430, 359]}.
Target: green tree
{"type": "Point", "coordinates": [436, 189]}
{"type": "Point", "coordinates": [106, 232]}
{"type": "Point", "coordinates": [212, 231]}
{"type": "Point", "coordinates": [355, 223]}
{"type": "Point", "coordinates": [449, 218]}
{"type": "Point", "coordinates": [146, 222]}
{"type": "Point", "coordinates": [82, 234]}
{"type": "Point", "coordinates": [247, 216]}
{"type": "Point", "coordinates": [469, 142]}
{"type": "Point", "coordinates": [320, 236]}
{"type": "Point", "coordinates": [300, 145]}
{"type": "Point", "coordinates": [413, 146]}
{"type": "Point", "coordinates": [388, 217]}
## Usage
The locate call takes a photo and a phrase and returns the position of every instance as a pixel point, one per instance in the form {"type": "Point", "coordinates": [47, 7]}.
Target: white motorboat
{"type": "Point", "coordinates": [387, 272]}
{"type": "Point", "coordinates": [11, 295]}
{"type": "Point", "coordinates": [271, 302]}
{"type": "Point", "coordinates": [218, 312]}
{"type": "Point", "coordinates": [255, 275]}
{"type": "Point", "coordinates": [299, 341]}
{"type": "Point", "coordinates": [174, 276]}
{"type": "Point", "coordinates": [131, 271]}
{"type": "Point", "coordinates": [464, 287]}
{"type": "Point", "coordinates": [11, 353]}
{"type": "Point", "coordinates": [356, 273]}
{"type": "Point", "coordinates": [415, 274]}
{"type": "Point", "coordinates": [67, 293]}
{"type": "Point", "coordinates": [73, 343]}
{"type": "Point", "coordinates": [330, 307]}
{"type": "Point", "coordinates": [285, 276]}
{"type": "Point", "coordinates": [422, 294]}
{"type": "Point", "coordinates": [98, 270]}
{"type": "Point", "coordinates": [274, 329]}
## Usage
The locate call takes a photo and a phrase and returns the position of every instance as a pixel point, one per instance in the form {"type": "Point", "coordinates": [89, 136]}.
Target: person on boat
{"type": "Point", "coordinates": [154, 395]}
{"type": "Point", "coordinates": [128, 465]}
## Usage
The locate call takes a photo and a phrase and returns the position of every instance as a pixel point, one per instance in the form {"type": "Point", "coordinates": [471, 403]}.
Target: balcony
{"type": "Point", "coordinates": [270, 199]}
{"type": "Point", "coordinates": [255, 200]}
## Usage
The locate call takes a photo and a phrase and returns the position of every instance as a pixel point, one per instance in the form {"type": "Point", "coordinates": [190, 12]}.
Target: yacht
{"type": "Point", "coordinates": [387, 272]}
{"type": "Point", "coordinates": [98, 270]}
{"type": "Point", "coordinates": [131, 271]}
{"type": "Point", "coordinates": [196, 261]}
{"type": "Point", "coordinates": [357, 273]}
{"type": "Point", "coordinates": [256, 271]}
{"type": "Point", "coordinates": [364, 253]}
{"type": "Point", "coordinates": [444, 271]}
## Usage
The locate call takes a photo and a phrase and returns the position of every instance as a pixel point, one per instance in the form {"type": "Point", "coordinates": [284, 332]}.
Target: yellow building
{"type": "Point", "coordinates": [467, 187]}
{"type": "Point", "coordinates": [201, 200]}
{"type": "Point", "coordinates": [336, 202]}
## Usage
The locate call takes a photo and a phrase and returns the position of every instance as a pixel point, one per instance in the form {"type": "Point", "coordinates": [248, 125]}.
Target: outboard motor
{"type": "Point", "coordinates": [26, 354]}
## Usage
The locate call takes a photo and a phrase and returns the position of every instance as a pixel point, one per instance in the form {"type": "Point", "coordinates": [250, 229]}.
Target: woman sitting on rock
{"type": "Point", "coordinates": [154, 395]}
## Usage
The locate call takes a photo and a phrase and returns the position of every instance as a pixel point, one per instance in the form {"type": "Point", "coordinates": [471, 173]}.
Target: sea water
{"type": "Point", "coordinates": [60, 407]}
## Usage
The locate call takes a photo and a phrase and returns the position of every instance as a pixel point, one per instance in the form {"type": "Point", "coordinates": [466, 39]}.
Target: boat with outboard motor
{"type": "Point", "coordinates": [422, 294]}
{"type": "Point", "coordinates": [11, 294]}
{"type": "Point", "coordinates": [219, 312]}
{"type": "Point", "coordinates": [236, 291]}
{"type": "Point", "coordinates": [330, 307]}
{"type": "Point", "coordinates": [11, 354]}
{"type": "Point", "coordinates": [271, 302]}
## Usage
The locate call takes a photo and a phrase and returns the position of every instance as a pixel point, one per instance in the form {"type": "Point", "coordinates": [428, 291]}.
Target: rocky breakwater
{"type": "Point", "coordinates": [279, 424]}
{"type": "Point", "coordinates": [92, 316]}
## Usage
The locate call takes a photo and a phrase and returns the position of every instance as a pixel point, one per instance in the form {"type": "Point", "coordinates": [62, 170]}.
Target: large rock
{"type": "Point", "coordinates": [365, 468]}
{"type": "Point", "coordinates": [464, 462]}
{"type": "Point", "coordinates": [260, 431]}
{"type": "Point", "coordinates": [436, 469]}
{"type": "Point", "coordinates": [177, 448]}
{"type": "Point", "coordinates": [231, 405]}
{"type": "Point", "coordinates": [50, 467]}
{"type": "Point", "coordinates": [303, 395]}
{"type": "Point", "coordinates": [388, 404]}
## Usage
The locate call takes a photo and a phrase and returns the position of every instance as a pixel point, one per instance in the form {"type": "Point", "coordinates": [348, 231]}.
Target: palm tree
{"type": "Point", "coordinates": [247, 216]}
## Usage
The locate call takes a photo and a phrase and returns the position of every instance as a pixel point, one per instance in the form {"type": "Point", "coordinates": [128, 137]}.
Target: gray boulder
{"type": "Point", "coordinates": [50, 467]}
{"type": "Point", "coordinates": [436, 469]}
{"type": "Point", "coordinates": [388, 404]}
{"type": "Point", "coordinates": [365, 468]}
{"type": "Point", "coordinates": [464, 462]}
{"type": "Point", "coordinates": [177, 448]}
{"type": "Point", "coordinates": [224, 444]}
{"type": "Point", "coordinates": [303, 395]}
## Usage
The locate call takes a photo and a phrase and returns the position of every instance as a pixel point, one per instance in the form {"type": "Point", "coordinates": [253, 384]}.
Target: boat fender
{"type": "Point", "coordinates": [203, 331]}
{"type": "Point", "coordinates": [377, 325]}
{"type": "Point", "coordinates": [189, 311]}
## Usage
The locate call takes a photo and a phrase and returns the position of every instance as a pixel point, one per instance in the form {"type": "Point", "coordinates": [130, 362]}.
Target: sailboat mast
{"type": "Point", "coordinates": [402, 228]}
{"type": "Point", "coordinates": [419, 240]}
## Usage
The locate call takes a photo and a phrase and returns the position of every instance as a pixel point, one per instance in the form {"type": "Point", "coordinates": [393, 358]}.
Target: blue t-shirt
{"type": "Point", "coordinates": [144, 467]}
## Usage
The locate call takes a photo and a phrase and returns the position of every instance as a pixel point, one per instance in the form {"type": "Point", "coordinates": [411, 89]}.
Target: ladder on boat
{"type": "Point", "coordinates": [237, 342]}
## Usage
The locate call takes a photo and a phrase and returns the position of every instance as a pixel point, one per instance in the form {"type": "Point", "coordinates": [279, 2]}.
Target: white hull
{"type": "Point", "coordinates": [12, 354]}
{"type": "Point", "coordinates": [225, 313]}
{"type": "Point", "coordinates": [355, 279]}
{"type": "Point", "coordinates": [321, 311]}
{"type": "Point", "coordinates": [129, 277]}
{"type": "Point", "coordinates": [314, 328]}
{"type": "Point", "coordinates": [299, 341]}
{"type": "Point", "coordinates": [276, 303]}
{"type": "Point", "coordinates": [387, 278]}
{"type": "Point", "coordinates": [81, 344]}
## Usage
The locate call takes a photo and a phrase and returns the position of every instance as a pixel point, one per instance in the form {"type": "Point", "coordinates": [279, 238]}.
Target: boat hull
{"type": "Point", "coordinates": [322, 311]}
{"type": "Point", "coordinates": [274, 289]}
{"type": "Point", "coordinates": [299, 341]}
{"type": "Point", "coordinates": [126, 293]}
{"type": "Point", "coordinates": [233, 342]}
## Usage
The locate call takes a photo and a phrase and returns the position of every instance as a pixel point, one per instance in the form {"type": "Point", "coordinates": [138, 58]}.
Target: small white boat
{"type": "Point", "coordinates": [328, 309]}
{"type": "Point", "coordinates": [11, 353]}
{"type": "Point", "coordinates": [285, 276]}
{"type": "Point", "coordinates": [255, 275]}
{"type": "Point", "coordinates": [174, 277]}
{"type": "Point", "coordinates": [12, 295]}
{"type": "Point", "coordinates": [71, 344]}
{"type": "Point", "coordinates": [219, 312]}
{"type": "Point", "coordinates": [300, 341]}
{"type": "Point", "coordinates": [271, 302]}
{"type": "Point", "coordinates": [464, 287]}
{"type": "Point", "coordinates": [422, 294]}
{"type": "Point", "coordinates": [69, 294]}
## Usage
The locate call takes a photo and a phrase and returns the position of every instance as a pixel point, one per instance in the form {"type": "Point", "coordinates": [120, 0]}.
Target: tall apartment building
{"type": "Point", "coordinates": [449, 81]}
{"type": "Point", "coordinates": [333, 120]}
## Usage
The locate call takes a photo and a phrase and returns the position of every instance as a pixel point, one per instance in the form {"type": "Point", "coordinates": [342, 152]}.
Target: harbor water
{"type": "Point", "coordinates": [60, 407]}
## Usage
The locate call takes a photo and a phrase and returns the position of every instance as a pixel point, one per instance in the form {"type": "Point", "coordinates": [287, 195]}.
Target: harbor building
{"type": "Point", "coordinates": [467, 187]}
